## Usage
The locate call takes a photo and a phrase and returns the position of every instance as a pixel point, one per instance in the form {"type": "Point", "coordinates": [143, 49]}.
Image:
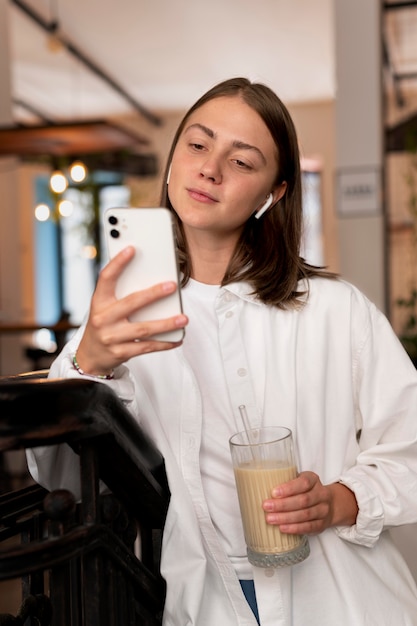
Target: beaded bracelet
{"type": "Point", "coordinates": [81, 371]}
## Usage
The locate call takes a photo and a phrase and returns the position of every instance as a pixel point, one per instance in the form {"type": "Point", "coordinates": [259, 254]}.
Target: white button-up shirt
{"type": "Point", "coordinates": [332, 371]}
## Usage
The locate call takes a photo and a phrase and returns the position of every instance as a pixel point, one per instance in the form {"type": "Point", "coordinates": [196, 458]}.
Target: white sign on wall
{"type": "Point", "coordinates": [359, 192]}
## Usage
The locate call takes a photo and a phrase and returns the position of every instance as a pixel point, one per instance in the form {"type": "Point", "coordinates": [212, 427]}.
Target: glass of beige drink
{"type": "Point", "coordinates": [262, 459]}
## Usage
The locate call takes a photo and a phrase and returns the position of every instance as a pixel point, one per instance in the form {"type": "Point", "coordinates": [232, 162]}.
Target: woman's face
{"type": "Point", "coordinates": [223, 167]}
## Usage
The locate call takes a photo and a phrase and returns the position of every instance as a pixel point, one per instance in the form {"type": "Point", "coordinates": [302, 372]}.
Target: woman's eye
{"type": "Point", "coordinates": [197, 146]}
{"type": "Point", "coordinates": [242, 164]}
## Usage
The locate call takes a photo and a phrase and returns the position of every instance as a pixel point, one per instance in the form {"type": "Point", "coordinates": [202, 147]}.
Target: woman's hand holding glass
{"type": "Point", "coordinates": [307, 507]}
{"type": "Point", "coordinates": [110, 338]}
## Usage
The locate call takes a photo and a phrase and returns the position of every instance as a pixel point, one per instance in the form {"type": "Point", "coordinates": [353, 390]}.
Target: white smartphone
{"type": "Point", "coordinates": [150, 232]}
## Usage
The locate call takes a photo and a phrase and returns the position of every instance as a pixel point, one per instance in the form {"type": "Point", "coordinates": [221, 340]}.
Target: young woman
{"type": "Point", "coordinates": [299, 348]}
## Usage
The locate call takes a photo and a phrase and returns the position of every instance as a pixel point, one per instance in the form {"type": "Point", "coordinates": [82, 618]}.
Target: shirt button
{"type": "Point", "coordinates": [229, 314]}
{"type": "Point", "coordinates": [228, 297]}
{"type": "Point", "coordinates": [242, 371]}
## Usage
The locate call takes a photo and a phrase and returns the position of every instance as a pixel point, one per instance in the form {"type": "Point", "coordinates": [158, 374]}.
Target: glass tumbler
{"type": "Point", "coordinates": [262, 459]}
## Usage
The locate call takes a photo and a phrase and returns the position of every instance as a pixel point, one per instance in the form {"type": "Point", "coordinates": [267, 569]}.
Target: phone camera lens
{"type": "Point", "coordinates": [114, 233]}
{"type": "Point", "coordinates": [112, 220]}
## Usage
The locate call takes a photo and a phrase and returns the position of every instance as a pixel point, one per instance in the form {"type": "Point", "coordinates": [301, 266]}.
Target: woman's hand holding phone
{"type": "Point", "coordinates": [110, 338]}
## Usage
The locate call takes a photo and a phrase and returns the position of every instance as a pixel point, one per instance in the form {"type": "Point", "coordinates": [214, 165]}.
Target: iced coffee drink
{"type": "Point", "coordinates": [260, 466]}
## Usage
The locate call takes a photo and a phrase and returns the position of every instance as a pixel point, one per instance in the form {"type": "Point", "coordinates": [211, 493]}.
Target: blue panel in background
{"type": "Point", "coordinates": [46, 270]}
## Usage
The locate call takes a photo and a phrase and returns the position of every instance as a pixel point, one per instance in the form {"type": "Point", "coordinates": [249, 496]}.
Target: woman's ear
{"type": "Point", "coordinates": [272, 199]}
{"type": "Point", "coordinates": [279, 192]}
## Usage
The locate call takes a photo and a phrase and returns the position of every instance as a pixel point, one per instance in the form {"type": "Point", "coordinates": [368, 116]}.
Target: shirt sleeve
{"type": "Point", "coordinates": [384, 478]}
{"type": "Point", "coordinates": [122, 383]}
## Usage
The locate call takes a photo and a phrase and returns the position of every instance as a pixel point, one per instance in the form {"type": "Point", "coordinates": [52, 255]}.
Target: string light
{"type": "Point", "coordinates": [58, 182]}
{"type": "Point", "coordinates": [42, 212]}
{"type": "Point", "coordinates": [65, 208]}
{"type": "Point", "coordinates": [78, 171]}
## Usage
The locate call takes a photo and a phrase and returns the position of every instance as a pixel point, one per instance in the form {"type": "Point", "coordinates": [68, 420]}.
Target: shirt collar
{"type": "Point", "coordinates": [244, 291]}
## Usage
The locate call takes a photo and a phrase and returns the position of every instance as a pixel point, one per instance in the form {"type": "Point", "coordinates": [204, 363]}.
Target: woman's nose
{"type": "Point", "coordinates": [211, 170]}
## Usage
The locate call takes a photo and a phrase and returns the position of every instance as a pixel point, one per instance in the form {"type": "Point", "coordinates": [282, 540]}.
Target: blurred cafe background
{"type": "Point", "coordinates": [91, 92]}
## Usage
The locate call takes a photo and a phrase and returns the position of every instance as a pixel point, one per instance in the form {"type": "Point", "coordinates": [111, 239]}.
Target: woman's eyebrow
{"type": "Point", "coordinates": [210, 133]}
{"type": "Point", "coordinates": [240, 145]}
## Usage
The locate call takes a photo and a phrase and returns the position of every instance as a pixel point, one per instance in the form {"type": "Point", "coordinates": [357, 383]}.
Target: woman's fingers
{"type": "Point", "coordinates": [300, 506]}
{"type": "Point", "coordinates": [129, 332]}
{"type": "Point", "coordinates": [106, 283]}
{"type": "Point", "coordinates": [106, 309]}
{"type": "Point", "coordinates": [106, 345]}
{"type": "Point", "coordinates": [110, 337]}
{"type": "Point", "coordinates": [109, 310]}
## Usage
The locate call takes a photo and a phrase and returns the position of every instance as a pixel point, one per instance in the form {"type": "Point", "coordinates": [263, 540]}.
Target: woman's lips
{"type": "Point", "coordinates": [201, 196]}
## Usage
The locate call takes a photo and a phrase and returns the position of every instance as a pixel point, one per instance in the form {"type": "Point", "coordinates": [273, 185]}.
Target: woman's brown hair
{"type": "Point", "coordinates": [267, 255]}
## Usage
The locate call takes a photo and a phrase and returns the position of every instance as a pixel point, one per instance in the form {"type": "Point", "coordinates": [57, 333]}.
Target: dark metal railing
{"type": "Point", "coordinates": [95, 561]}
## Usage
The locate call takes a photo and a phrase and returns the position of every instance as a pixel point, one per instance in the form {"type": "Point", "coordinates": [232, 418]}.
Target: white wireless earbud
{"type": "Point", "coordinates": [169, 174]}
{"type": "Point", "coordinates": [265, 206]}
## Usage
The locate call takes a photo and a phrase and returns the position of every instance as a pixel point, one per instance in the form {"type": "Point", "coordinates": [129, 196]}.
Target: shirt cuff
{"type": "Point", "coordinates": [370, 519]}
{"type": "Point", "coordinates": [122, 384]}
